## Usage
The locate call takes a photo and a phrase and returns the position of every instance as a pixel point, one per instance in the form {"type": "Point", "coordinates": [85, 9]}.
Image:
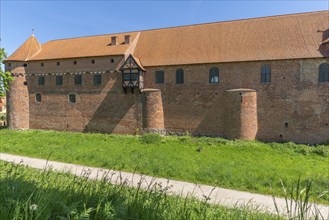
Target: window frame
{"type": "Point", "coordinates": [213, 72]}
{"type": "Point", "coordinates": [97, 79]}
{"type": "Point", "coordinates": [76, 80]}
{"type": "Point", "coordinates": [38, 97]}
{"type": "Point", "coordinates": [323, 75]}
{"type": "Point", "coordinates": [41, 80]}
{"type": "Point", "coordinates": [59, 80]}
{"type": "Point", "coordinates": [180, 76]}
{"type": "Point", "coordinates": [265, 73]}
{"type": "Point", "coordinates": [159, 77]}
{"type": "Point", "coordinates": [72, 97]}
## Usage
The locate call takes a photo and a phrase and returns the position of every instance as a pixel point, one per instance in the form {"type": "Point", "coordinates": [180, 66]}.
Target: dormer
{"type": "Point", "coordinates": [132, 74]}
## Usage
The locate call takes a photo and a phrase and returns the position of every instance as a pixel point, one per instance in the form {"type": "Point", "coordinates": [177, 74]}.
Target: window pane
{"type": "Point", "coordinates": [78, 79]}
{"type": "Point", "coordinates": [97, 79]}
{"type": "Point", "coordinates": [59, 80]}
{"type": "Point", "coordinates": [214, 75]}
{"type": "Point", "coordinates": [41, 80]}
{"type": "Point", "coordinates": [159, 77]}
{"type": "Point", "coordinates": [72, 98]}
{"type": "Point", "coordinates": [38, 97]}
{"type": "Point", "coordinates": [126, 77]}
{"type": "Point", "coordinates": [265, 73]}
{"type": "Point", "coordinates": [324, 72]}
{"type": "Point", "coordinates": [179, 76]}
{"type": "Point", "coordinates": [134, 77]}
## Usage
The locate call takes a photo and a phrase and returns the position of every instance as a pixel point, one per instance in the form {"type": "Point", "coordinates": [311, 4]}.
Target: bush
{"type": "Point", "coordinates": [151, 138]}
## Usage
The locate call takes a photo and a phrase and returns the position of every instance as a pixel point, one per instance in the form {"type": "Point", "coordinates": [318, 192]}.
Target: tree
{"type": "Point", "coordinates": [5, 77]}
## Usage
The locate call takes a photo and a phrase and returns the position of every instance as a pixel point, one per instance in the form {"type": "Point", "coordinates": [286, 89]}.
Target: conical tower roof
{"type": "Point", "coordinates": [28, 49]}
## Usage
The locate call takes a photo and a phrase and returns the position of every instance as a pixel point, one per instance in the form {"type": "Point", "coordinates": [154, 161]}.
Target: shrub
{"type": "Point", "coordinates": [151, 138]}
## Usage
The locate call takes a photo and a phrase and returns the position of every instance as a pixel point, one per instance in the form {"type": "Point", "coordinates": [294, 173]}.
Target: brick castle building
{"type": "Point", "coordinates": [263, 78]}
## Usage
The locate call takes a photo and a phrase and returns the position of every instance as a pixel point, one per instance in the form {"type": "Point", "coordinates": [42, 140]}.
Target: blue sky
{"type": "Point", "coordinates": [65, 19]}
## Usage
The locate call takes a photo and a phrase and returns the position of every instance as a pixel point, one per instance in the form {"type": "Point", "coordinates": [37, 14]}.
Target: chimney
{"type": "Point", "coordinates": [127, 39]}
{"type": "Point", "coordinates": [114, 40]}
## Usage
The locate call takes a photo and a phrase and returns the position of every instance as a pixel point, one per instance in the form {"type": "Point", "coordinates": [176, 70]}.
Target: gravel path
{"type": "Point", "coordinates": [215, 195]}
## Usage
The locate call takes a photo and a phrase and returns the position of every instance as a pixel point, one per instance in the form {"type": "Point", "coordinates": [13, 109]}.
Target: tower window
{"type": "Point", "coordinates": [59, 80]}
{"type": "Point", "coordinates": [159, 77]}
{"type": "Point", "coordinates": [112, 60]}
{"type": "Point", "coordinates": [25, 64]}
{"type": "Point", "coordinates": [265, 73]}
{"type": "Point", "coordinates": [58, 63]}
{"type": "Point", "coordinates": [180, 76]}
{"type": "Point", "coordinates": [38, 97]}
{"type": "Point", "coordinates": [97, 79]}
{"type": "Point", "coordinates": [92, 61]}
{"type": "Point", "coordinates": [72, 98]}
{"type": "Point", "coordinates": [324, 72]}
{"type": "Point", "coordinates": [214, 75]}
{"type": "Point", "coordinates": [42, 64]}
{"type": "Point", "coordinates": [41, 80]}
{"type": "Point", "coordinates": [78, 79]}
{"type": "Point", "coordinates": [75, 62]}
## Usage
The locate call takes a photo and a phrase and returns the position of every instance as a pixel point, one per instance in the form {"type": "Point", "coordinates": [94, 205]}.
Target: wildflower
{"type": "Point", "coordinates": [33, 207]}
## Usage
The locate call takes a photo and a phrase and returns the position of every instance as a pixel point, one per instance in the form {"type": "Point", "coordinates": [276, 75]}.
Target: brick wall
{"type": "Point", "coordinates": [294, 106]}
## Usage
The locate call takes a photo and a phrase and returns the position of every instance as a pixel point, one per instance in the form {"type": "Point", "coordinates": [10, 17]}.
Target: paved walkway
{"type": "Point", "coordinates": [216, 195]}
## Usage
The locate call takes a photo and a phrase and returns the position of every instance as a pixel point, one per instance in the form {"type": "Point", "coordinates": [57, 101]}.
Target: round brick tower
{"type": "Point", "coordinates": [153, 120]}
{"type": "Point", "coordinates": [18, 103]}
{"type": "Point", "coordinates": [241, 114]}
{"type": "Point", "coordinates": [18, 95]}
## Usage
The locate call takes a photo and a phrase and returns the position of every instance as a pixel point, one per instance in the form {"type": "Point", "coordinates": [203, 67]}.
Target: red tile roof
{"type": "Point", "coordinates": [270, 38]}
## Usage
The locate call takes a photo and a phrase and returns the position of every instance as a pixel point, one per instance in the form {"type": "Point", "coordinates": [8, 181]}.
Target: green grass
{"type": "Point", "coordinates": [244, 165]}
{"type": "Point", "coordinates": [30, 194]}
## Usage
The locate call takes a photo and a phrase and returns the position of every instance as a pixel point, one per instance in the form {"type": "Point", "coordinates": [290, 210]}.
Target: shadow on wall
{"type": "Point", "coordinates": [324, 48]}
{"type": "Point", "coordinates": [212, 123]}
{"type": "Point", "coordinates": [117, 113]}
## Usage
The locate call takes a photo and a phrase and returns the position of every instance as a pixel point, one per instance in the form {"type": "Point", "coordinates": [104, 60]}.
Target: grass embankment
{"type": "Point", "coordinates": [243, 165]}
{"type": "Point", "coordinates": [29, 194]}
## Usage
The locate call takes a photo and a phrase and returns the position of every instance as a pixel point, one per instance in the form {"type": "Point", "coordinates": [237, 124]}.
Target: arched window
{"type": "Point", "coordinates": [324, 72]}
{"type": "Point", "coordinates": [214, 75]}
{"type": "Point", "coordinates": [265, 73]}
{"type": "Point", "coordinates": [180, 76]}
{"type": "Point", "coordinates": [38, 97]}
{"type": "Point", "coordinates": [72, 98]}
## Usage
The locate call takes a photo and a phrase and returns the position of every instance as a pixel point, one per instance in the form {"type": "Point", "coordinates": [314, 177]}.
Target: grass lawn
{"type": "Point", "coordinates": [244, 165]}
{"type": "Point", "coordinates": [32, 194]}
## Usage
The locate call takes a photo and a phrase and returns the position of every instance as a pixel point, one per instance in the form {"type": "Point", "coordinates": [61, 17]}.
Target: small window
{"type": "Point", "coordinates": [75, 62]}
{"type": "Point", "coordinates": [265, 74]}
{"type": "Point", "coordinates": [159, 77]}
{"type": "Point", "coordinates": [25, 64]}
{"type": "Point", "coordinates": [9, 64]}
{"type": "Point", "coordinates": [112, 60]}
{"type": "Point", "coordinates": [41, 80]}
{"type": "Point", "coordinates": [59, 80]}
{"type": "Point", "coordinates": [78, 79]}
{"type": "Point", "coordinates": [42, 64]}
{"type": "Point", "coordinates": [97, 79]}
{"type": "Point", "coordinates": [38, 97]}
{"type": "Point", "coordinates": [58, 63]}
{"type": "Point", "coordinates": [214, 75]}
{"type": "Point", "coordinates": [180, 76]}
{"type": "Point", "coordinates": [92, 61]}
{"type": "Point", "coordinates": [72, 98]}
{"type": "Point", "coordinates": [324, 72]}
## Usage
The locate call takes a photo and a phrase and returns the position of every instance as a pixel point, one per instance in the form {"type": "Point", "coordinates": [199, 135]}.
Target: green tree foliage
{"type": "Point", "coordinates": [5, 77]}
